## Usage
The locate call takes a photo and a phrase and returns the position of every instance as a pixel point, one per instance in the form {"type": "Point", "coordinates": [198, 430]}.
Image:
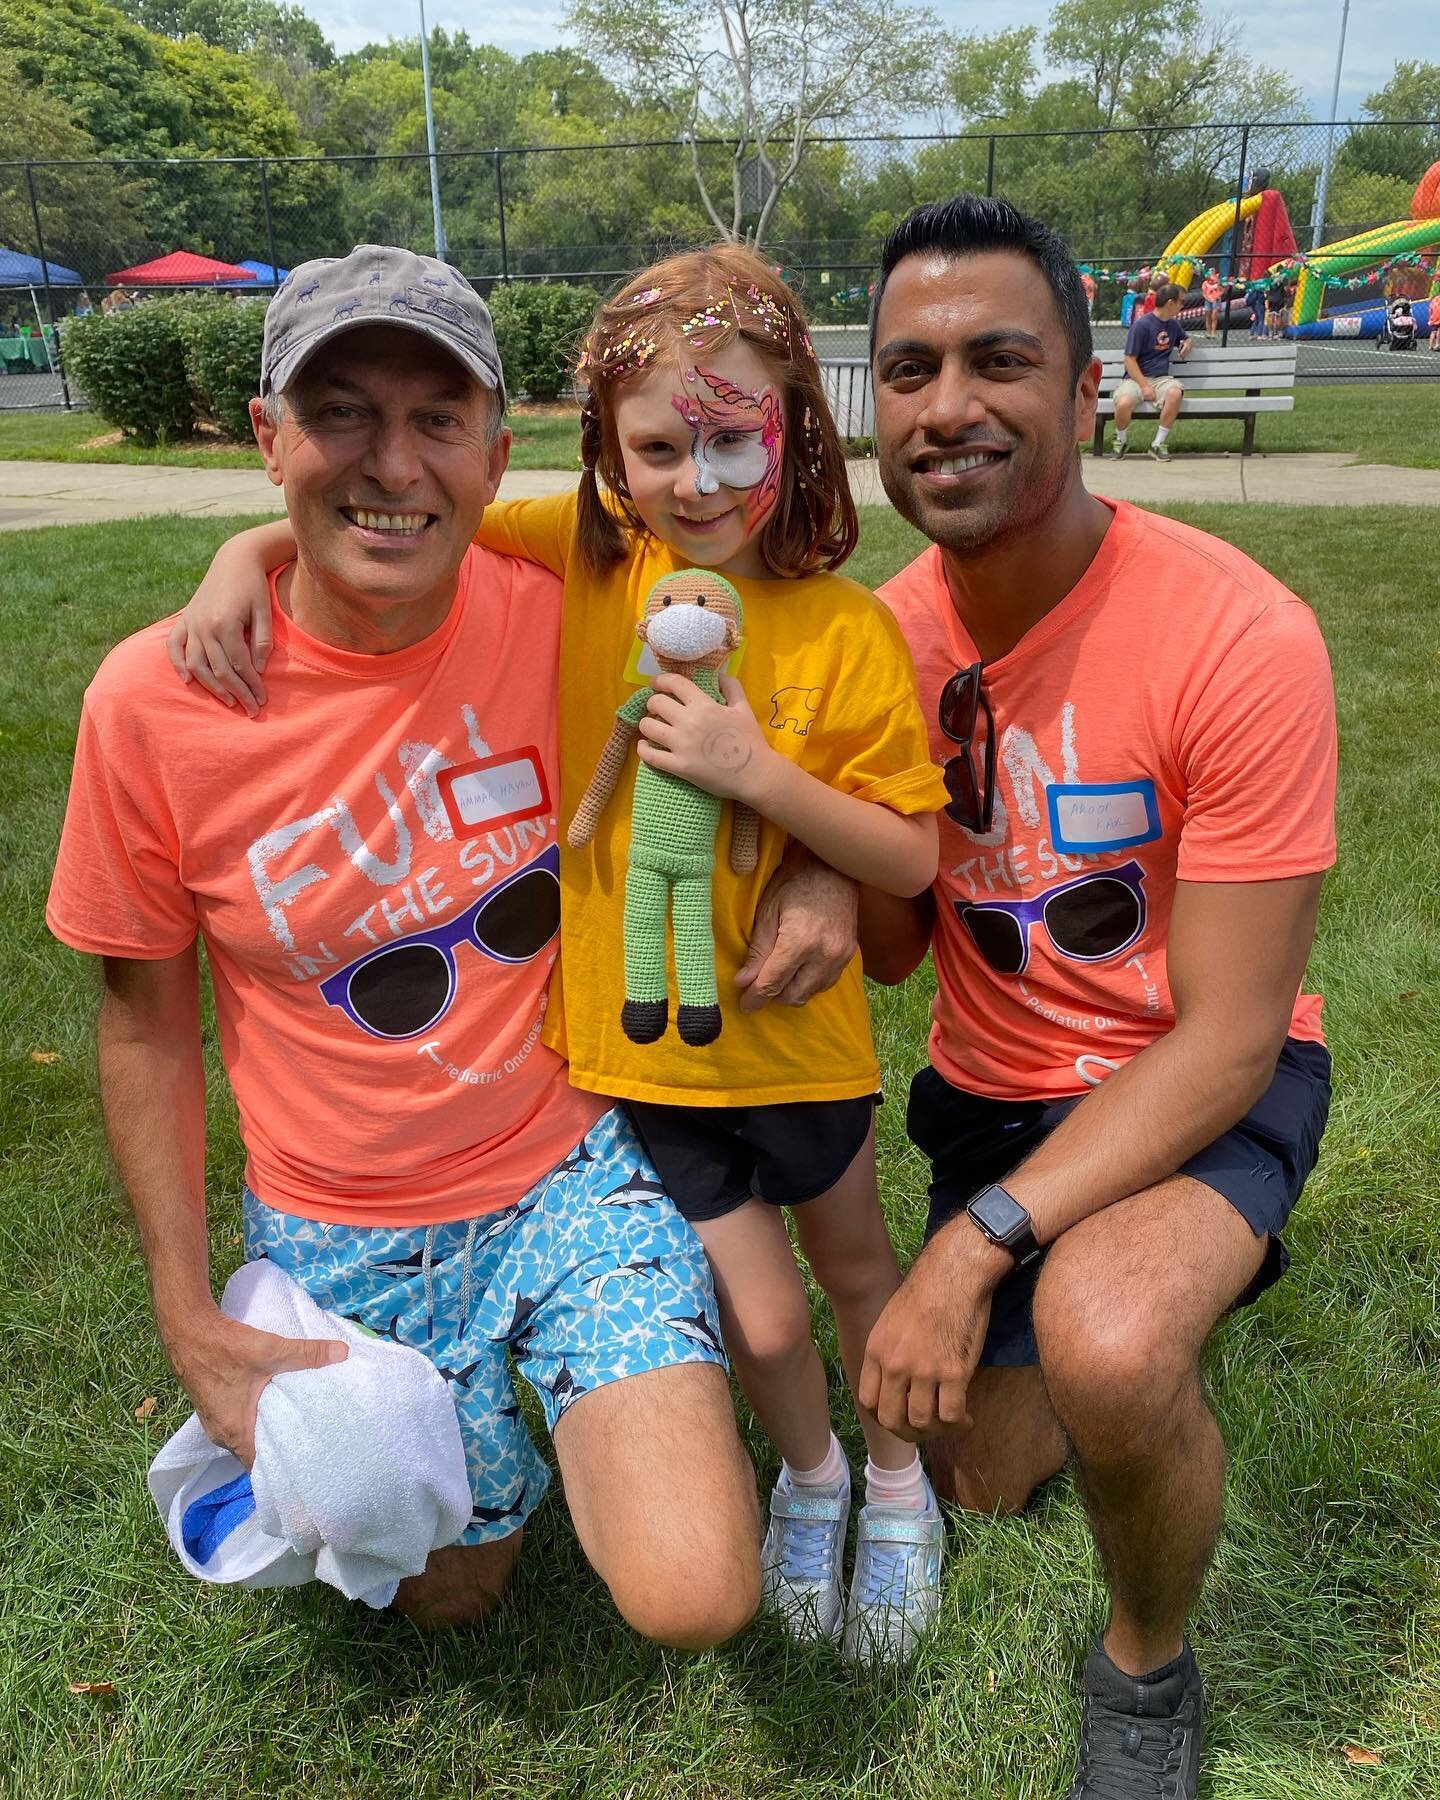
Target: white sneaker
{"type": "Point", "coordinates": [895, 1590]}
{"type": "Point", "coordinates": [802, 1557]}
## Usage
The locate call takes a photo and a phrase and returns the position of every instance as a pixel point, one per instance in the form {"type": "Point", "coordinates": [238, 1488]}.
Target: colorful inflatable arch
{"type": "Point", "coordinates": [1265, 238]}
{"type": "Point", "coordinates": [1353, 256]}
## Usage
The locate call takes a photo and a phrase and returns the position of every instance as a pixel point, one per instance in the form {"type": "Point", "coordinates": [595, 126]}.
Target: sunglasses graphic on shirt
{"type": "Point", "coordinates": [402, 989]}
{"type": "Point", "coordinates": [1089, 919]}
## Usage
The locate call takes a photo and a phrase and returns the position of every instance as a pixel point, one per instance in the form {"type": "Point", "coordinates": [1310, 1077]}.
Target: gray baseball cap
{"type": "Point", "coordinates": [376, 284]}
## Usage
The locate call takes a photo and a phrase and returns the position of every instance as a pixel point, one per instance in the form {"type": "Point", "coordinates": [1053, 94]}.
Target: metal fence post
{"type": "Point", "coordinates": [1235, 229]}
{"type": "Point", "coordinates": [57, 360]}
{"type": "Point", "coordinates": [500, 207]}
{"type": "Point", "coordinates": [269, 226]}
{"type": "Point", "coordinates": [990, 168]}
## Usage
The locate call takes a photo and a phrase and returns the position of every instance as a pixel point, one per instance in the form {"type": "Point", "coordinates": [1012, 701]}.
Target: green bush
{"type": "Point", "coordinates": [132, 368]}
{"type": "Point", "coordinates": [222, 339]}
{"type": "Point", "coordinates": [538, 326]}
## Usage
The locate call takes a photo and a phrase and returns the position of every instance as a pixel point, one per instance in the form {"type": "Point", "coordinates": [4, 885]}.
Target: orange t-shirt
{"type": "Point", "coordinates": [376, 802]}
{"type": "Point", "coordinates": [1171, 719]}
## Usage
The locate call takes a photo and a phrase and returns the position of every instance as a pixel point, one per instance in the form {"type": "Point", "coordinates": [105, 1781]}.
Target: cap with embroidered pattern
{"type": "Point", "coordinates": [377, 284]}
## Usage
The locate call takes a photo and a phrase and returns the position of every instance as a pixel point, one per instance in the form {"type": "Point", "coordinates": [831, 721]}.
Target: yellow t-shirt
{"type": "Point", "coordinates": [828, 675]}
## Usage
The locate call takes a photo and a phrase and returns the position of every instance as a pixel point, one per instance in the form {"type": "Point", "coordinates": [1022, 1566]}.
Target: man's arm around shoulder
{"type": "Point", "coordinates": [152, 1088]}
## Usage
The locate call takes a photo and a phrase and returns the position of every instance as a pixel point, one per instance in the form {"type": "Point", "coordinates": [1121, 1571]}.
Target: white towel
{"type": "Point", "coordinates": [359, 1468]}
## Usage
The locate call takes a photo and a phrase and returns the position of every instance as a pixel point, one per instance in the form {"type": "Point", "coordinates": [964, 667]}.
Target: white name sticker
{"type": "Point", "coordinates": [495, 790]}
{"type": "Point", "coordinates": [1106, 815]}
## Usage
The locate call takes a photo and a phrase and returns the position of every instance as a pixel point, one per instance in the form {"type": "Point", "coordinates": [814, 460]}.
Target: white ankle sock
{"type": "Point", "coordinates": [897, 1489]}
{"type": "Point", "coordinates": [1161, 435]}
{"type": "Point", "coordinates": [1123, 437]}
{"type": "Point", "coordinates": [829, 1473]}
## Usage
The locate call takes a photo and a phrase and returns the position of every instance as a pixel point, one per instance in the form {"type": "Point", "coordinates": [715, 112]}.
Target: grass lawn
{"type": "Point", "coordinates": [1320, 1626]}
{"type": "Point", "coordinates": [1385, 422]}
{"type": "Point", "coordinates": [545, 438]}
{"type": "Point", "coordinates": [1382, 422]}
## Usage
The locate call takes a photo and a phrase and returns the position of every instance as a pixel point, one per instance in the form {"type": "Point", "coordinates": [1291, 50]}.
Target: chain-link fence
{"type": "Point", "coordinates": [1313, 231]}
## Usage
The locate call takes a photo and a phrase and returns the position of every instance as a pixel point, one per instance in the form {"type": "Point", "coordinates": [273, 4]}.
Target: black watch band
{"type": "Point", "coordinates": [999, 1216]}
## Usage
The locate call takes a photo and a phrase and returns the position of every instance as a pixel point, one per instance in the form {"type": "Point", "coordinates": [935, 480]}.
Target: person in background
{"type": "Point", "coordinates": [1434, 298]}
{"type": "Point", "coordinates": [1131, 300]}
{"type": "Point", "coordinates": [1154, 338]}
{"type": "Point", "coordinates": [1087, 284]}
{"type": "Point", "coordinates": [1211, 291]}
{"type": "Point", "coordinates": [1255, 300]}
{"type": "Point", "coordinates": [1157, 281]}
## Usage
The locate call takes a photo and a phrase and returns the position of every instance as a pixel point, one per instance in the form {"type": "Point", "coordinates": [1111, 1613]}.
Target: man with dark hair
{"type": "Point", "coordinates": [1127, 1087]}
{"type": "Point", "coordinates": [1153, 340]}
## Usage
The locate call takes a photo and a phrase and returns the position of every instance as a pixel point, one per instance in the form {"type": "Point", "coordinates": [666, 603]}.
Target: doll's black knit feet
{"type": "Point", "coordinates": [698, 1025]}
{"type": "Point", "coordinates": [644, 1021]}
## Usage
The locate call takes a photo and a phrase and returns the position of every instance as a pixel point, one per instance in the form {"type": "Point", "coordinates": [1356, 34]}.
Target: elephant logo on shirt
{"type": "Point", "coordinates": [795, 707]}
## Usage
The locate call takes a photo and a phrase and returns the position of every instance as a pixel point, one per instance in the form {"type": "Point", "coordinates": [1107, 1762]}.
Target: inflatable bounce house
{"type": "Point", "coordinates": [1354, 257]}
{"type": "Point", "coordinates": [1264, 237]}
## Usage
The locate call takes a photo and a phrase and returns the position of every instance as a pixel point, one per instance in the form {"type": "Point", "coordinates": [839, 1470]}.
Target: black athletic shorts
{"type": "Point", "coordinates": [713, 1159]}
{"type": "Point", "coordinates": [1259, 1166]}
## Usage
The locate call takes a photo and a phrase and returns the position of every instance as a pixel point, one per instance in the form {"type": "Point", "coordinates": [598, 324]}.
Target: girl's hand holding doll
{"type": "Point", "coordinates": [719, 748]}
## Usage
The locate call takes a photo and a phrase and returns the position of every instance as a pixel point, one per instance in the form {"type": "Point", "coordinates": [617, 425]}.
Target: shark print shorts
{"type": "Point", "coordinates": [593, 1276]}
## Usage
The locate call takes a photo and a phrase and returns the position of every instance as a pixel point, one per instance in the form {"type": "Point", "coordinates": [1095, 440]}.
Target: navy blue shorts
{"type": "Point", "coordinates": [1259, 1166]}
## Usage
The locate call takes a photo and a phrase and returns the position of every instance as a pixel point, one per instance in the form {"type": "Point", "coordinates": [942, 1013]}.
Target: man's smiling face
{"type": "Point", "coordinates": [388, 460]}
{"type": "Point", "coordinates": [977, 412]}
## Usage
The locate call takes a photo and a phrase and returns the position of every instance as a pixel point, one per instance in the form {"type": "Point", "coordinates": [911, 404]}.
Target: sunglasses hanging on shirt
{"type": "Point", "coordinates": [967, 719]}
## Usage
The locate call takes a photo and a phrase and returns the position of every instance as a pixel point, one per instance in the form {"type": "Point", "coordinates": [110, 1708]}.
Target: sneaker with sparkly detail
{"type": "Point", "coordinates": [802, 1557]}
{"type": "Point", "coordinates": [895, 1589]}
{"type": "Point", "coordinates": [1140, 1740]}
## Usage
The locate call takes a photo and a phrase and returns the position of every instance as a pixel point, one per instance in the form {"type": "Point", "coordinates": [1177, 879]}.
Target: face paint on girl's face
{"type": "Point", "coordinates": [737, 439]}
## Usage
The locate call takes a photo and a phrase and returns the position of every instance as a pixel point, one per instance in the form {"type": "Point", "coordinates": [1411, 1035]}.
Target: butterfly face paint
{"type": "Point", "coordinates": [737, 439]}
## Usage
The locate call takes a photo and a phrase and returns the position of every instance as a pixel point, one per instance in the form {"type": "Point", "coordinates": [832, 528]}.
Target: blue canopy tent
{"type": "Point", "coordinates": [19, 270]}
{"type": "Point", "coordinates": [264, 272]}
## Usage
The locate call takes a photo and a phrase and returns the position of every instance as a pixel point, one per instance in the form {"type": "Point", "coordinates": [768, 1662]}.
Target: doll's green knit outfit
{"type": "Point", "coordinates": [673, 826]}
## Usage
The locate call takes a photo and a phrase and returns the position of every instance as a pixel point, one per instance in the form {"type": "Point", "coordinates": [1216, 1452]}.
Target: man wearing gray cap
{"type": "Point", "coordinates": [372, 867]}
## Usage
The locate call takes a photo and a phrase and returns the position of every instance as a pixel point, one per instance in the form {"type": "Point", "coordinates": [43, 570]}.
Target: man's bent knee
{"type": "Point", "coordinates": [460, 1584]}
{"type": "Point", "coordinates": [695, 1608]}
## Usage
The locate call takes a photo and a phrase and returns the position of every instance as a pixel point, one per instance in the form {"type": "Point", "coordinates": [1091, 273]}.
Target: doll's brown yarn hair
{"type": "Point", "coordinates": [696, 302]}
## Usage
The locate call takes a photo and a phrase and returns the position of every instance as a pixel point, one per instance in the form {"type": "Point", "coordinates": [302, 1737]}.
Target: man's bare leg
{"type": "Point", "coordinates": [1013, 1443]}
{"type": "Point", "coordinates": [1123, 1308]}
{"type": "Point", "coordinates": [663, 1500]}
{"type": "Point", "coordinates": [459, 1584]}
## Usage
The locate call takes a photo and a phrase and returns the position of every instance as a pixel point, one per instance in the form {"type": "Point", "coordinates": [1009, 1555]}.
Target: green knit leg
{"type": "Point", "coordinates": [647, 898]}
{"type": "Point", "coordinates": [694, 942]}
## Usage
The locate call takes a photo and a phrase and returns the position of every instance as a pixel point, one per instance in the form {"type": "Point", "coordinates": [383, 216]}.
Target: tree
{"type": "Point", "coordinates": [766, 78]}
{"type": "Point", "coordinates": [988, 78]}
{"type": "Point", "coordinates": [282, 31]}
{"type": "Point", "coordinates": [86, 212]}
{"type": "Point", "coordinates": [1394, 145]}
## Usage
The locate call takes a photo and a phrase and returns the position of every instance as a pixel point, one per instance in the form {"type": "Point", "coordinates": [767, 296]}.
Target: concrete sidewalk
{"type": "Point", "coordinates": [44, 493]}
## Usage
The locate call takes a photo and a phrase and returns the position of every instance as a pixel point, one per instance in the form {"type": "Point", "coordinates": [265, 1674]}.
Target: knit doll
{"type": "Point", "coordinates": [691, 623]}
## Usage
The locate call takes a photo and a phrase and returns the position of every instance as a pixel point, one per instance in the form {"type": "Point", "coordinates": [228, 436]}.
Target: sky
{"type": "Point", "coordinates": [1296, 36]}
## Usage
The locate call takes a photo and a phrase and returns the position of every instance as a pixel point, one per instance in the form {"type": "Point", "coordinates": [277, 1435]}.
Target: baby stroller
{"type": "Point", "coordinates": [1397, 331]}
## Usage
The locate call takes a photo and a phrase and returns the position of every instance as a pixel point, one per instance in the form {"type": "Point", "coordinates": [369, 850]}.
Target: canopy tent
{"type": "Point", "coordinates": [19, 270]}
{"type": "Point", "coordinates": [181, 268]}
{"type": "Point", "coordinates": [263, 271]}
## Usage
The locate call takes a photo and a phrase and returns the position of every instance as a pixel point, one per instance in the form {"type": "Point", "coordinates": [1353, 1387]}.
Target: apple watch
{"type": "Point", "coordinates": [999, 1216]}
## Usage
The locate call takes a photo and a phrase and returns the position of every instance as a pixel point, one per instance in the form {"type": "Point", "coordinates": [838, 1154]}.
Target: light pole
{"type": "Point", "coordinates": [430, 134]}
{"type": "Point", "coordinates": [1317, 217]}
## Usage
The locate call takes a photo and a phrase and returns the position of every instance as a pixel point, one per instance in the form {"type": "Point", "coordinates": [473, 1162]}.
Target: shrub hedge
{"type": "Point", "coordinates": [132, 368]}
{"type": "Point", "coordinates": [538, 327]}
{"type": "Point", "coordinates": [166, 365]}
{"type": "Point", "coordinates": [222, 341]}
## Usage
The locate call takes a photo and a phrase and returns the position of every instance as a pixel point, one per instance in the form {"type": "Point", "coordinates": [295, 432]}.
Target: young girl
{"type": "Point", "coordinates": [707, 424]}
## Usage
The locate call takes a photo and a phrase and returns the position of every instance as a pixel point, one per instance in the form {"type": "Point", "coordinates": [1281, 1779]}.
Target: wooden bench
{"type": "Point", "coordinates": [1265, 374]}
